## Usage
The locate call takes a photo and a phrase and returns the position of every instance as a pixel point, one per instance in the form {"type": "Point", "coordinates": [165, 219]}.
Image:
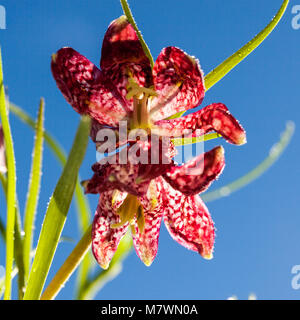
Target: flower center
{"type": "Point", "coordinates": [141, 97]}
{"type": "Point", "coordinates": [131, 208]}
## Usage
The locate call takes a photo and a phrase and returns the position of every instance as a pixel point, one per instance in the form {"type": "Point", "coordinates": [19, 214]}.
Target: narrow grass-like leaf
{"type": "Point", "coordinates": [57, 212]}
{"type": "Point", "coordinates": [18, 246]}
{"type": "Point", "coordinates": [83, 208]}
{"type": "Point", "coordinates": [69, 266]}
{"type": "Point", "coordinates": [274, 154]}
{"type": "Point", "coordinates": [226, 66]}
{"type": "Point", "coordinates": [34, 188]}
{"type": "Point", "coordinates": [130, 18]}
{"type": "Point", "coordinates": [2, 280]}
{"type": "Point", "coordinates": [11, 187]}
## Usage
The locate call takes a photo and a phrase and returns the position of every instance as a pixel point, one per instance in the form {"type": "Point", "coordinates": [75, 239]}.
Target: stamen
{"type": "Point", "coordinates": [140, 218]}
{"type": "Point", "coordinates": [130, 208]}
{"type": "Point", "coordinates": [140, 97]}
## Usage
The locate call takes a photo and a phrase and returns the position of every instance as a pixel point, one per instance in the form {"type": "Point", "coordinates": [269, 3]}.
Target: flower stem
{"type": "Point", "coordinates": [11, 188]}
{"type": "Point", "coordinates": [130, 18]}
{"type": "Point", "coordinates": [69, 266]}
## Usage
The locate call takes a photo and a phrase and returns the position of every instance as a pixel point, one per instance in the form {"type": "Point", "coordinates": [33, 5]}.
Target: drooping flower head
{"type": "Point", "coordinates": [136, 194]}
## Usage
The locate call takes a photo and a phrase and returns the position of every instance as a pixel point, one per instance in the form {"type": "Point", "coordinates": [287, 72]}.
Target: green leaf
{"type": "Point", "coordinates": [56, 213]}
{"type": "Point", "coordinates": [83, 208]}
{"type": "Point", "coordinates": [69, 266]}
{"type": "Point", "coordinates": [130, 18]}
{"type": "Point", "coordinates": [18, 246]}
{"type": "Point", "coordinates": [226, 66]}
{"type": "Point", "coordinates": [274, 154]}
{"type": "Point", "coordinates": [11, 187]}
{"type": "Point", "coordinates": [34, 188]}
{"type": "Point", "coordinates": [82, 205]}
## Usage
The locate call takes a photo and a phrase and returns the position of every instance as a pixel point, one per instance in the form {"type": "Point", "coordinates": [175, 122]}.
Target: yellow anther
{"type": "Point", "coordinates": [134, 89]}
{"type": "Point", "coordinates": [140, 218]}
{"type": "Point", "coordinates": [130, 208]}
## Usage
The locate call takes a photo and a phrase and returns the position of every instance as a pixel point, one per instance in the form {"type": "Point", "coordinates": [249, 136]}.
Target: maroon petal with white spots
{"type": "Point", "coordinates": [123, 57]}
{"type": "Point", "coordinates": [128, 176]}
{"type": "Point", "coordinates": [189, 222]}
{"type": "Point", "coordinates": [86, 88]}
{"type": "Point", "coordinates": [178, 81]}
{"type": "Point", "coordinates": [146, 242]}
{"type": "Point", "coordinates": [214, 117]}
{"type": "Point", "coordinates": [197, 175]}
{"type": "Point", "coordinates": [116, 176]}
{"type": "Point", "coordinates": [105, 239]}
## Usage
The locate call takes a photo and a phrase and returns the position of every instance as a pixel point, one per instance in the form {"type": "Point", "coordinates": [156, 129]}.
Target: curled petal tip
{"type": "Point", "coordinates": [242, 140]}
{"type": "Point", "coordinates": [220, 152]}
{"type": "Point", "coordinates": [208, 256]}
{"type": "Point", "coordinates": [147, 262]}
{"type": "Point", "coordinates": [104, 266]}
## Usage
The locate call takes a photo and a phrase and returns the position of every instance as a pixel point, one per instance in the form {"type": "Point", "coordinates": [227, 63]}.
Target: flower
{"type": "Point", "coordinates": [171, 195]}
{"type": "Point", "coordinates": [140, 195]}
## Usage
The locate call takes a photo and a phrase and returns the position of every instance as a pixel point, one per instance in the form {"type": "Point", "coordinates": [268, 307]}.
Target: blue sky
{"type": "Point", "coordinates": [258, 226]}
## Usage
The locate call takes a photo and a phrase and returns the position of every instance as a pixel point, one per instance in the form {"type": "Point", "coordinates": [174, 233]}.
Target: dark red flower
{"type": "Point", "coordinates": [135, 194]}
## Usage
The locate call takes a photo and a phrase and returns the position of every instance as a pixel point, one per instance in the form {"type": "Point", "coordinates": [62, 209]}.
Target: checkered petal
{"type": "Point", "coordinates": [105, 239]}
{"type": "Point", "coordinates": [197, 175]}
{"type": "Point", "coordinates": [123, 57]}
{"type": "Point", "coordinates": [86, 88]}
{"type": "Point", "coordinates": [213, 117]}
{"type": "Point", "coordinates": [189, 222]}
{"type": "Point", "coordinates": [178, 81]}
{"type": "Point", "coordinates": [146, 242]}
{"type": "Point", "coordinates": [122, 172]}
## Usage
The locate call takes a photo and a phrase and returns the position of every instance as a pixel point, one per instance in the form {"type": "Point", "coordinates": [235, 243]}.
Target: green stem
{"type": "Point", "coordinates": [69, 266]}
{"type": "Point", "coordinates": [130, 18]}
{"type": "Point", "coordinates": [56, 213]}
{"type": "Point", "coordinates": [11, 187]}
{"type": "Point", "coordinates": [33, 189]}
